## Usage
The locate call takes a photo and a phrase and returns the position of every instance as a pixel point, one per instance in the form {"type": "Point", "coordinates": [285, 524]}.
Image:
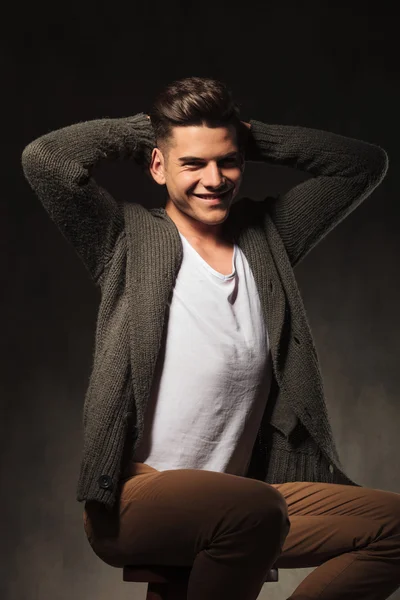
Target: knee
{"type": "Point", "coordinates": [269, 507]}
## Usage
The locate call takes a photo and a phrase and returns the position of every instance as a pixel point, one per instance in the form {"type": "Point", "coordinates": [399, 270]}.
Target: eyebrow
{"type": "Point", "coordinates": [196, 159]}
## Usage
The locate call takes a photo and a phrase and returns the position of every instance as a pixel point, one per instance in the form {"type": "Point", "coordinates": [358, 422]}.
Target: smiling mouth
{"type": "Point", "coordinates": [213, 196]}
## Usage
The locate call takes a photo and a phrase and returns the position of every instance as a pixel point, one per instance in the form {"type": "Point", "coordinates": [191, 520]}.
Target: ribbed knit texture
{"type": "Point", "coordinates": [134, 255]}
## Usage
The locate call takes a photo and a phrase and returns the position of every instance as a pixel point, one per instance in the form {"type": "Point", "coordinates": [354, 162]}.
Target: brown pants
{"type": "Point", "coordinates": [232, 529]}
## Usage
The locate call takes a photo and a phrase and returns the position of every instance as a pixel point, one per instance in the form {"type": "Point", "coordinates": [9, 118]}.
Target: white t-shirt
{"type": "Point", "coordinates": [213, 375]}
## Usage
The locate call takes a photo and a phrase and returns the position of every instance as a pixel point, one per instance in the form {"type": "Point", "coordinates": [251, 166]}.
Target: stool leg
{"type": "Point", "coordinates": [167, 591]}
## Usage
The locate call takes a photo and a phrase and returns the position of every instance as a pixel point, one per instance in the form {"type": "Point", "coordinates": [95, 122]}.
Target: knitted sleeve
{"type": "Point", "coordinates": [343, 171]}
{"type": "Point", "coordinates": [58, 167]}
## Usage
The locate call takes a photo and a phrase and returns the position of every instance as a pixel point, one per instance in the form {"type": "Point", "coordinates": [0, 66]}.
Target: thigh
{"type": "Point", "coordinates": [330, 519]}
{"type": "Point", "coordinates": [168, 517]}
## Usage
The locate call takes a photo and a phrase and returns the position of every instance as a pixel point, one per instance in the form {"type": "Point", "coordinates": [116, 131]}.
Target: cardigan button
{"type": "Point", "coordinates": [331, 468]}
{"type": "Point", "coordinates": [105, 482]}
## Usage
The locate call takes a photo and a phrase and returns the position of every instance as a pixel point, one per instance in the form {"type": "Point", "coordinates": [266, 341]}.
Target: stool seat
{"type": "Point", "coordinates": [169, 583]}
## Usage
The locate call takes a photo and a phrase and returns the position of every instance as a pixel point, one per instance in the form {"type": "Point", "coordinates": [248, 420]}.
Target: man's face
{"type": "Point", "coordinates": [201, 161]}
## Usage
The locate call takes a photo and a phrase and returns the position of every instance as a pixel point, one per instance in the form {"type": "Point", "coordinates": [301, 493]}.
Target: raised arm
{"type": "Point", "coordinates": [344, 172]}
{"type": "Point", "coordinates": [59, 166]}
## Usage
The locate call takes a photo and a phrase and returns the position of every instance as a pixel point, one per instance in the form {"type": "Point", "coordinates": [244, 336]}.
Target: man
{"type": "Point", "coordinates": [206, 436]}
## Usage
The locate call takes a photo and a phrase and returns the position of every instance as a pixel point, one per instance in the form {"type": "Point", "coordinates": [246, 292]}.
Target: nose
{"type": "Point", "coordinates": [212, 176]}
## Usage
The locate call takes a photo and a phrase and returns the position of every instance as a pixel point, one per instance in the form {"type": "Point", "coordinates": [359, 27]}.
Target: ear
{"type": "Point", "coordinates": [157, 166]}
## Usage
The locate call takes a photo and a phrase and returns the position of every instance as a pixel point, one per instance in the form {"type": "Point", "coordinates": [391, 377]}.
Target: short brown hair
{"type": "Point", "coordinates": [193, 101]}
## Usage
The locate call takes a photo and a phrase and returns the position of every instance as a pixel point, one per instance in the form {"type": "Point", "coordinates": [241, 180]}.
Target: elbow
{"type": "Point", "coordinates": [37, 160]}
{"type": "Point", "coordinates": [381, 165]}
{"type": "Point", "coordinates": [30, 158]}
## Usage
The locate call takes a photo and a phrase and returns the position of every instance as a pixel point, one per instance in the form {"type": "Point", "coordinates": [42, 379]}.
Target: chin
{"type": "Point", "coordinates": [214, 218]}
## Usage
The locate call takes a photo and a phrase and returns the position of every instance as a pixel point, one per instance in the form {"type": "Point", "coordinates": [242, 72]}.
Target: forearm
{"type": "Point", "coordinates": [58, 167]}
{"type": "Point", "coordinates": [344, 172]}
{"type": "Point", "coordinates": [72, 152]}
{"type": "Point", "coordinates": [314, 151]}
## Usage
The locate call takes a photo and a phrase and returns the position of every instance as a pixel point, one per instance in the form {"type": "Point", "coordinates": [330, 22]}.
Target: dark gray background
{"type": "Point", "coordinates": [315, 65]}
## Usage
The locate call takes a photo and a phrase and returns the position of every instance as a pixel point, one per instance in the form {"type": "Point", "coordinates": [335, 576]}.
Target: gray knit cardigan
{"type": "Point", "coordinates": [134, 254]}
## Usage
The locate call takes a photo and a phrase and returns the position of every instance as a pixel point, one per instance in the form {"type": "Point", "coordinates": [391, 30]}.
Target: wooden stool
{"type": "Point", "coordinates": [168, 583]}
